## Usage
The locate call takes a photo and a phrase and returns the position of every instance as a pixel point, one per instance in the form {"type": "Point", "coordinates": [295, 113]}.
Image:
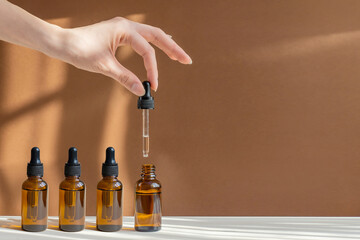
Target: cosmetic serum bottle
{"type": "Point", "coordinates": [148, 201]}
{"type": "Point", "coordinates": [109, 196]}
{"type": "Point", "coordinates": [34, 211]}
{"type": "Point", "coordinates": [72, 196]}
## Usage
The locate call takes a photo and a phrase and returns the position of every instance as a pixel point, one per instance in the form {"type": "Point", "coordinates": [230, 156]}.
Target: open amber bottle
{"type": "Point", "coordinates": [148, 201]}
{"type": "Point", "coordinates": [34, 213]}
{"type": "Point", "coordinates": [109, 196]}
{"type": "Point", "coordinates": [72, 196]}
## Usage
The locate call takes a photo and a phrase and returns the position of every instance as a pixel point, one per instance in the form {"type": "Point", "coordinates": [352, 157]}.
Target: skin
{"type": "Point", "coordinates": [92, 48]}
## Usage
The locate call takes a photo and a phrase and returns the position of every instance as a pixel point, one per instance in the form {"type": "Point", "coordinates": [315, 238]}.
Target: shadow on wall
{"type": "Point", "coordinates": [5, 187]}
{"type": "Point", "coordinates": [84, 107]}
{"type": "Point", "coordinates": [258, 125]}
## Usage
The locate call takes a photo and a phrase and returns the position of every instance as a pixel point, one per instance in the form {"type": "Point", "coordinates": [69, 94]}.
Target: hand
{"type": "Point", "coordinates": [93, 48]}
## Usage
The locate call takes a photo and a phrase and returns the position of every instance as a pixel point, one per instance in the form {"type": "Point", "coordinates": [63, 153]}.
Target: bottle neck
{"type": "Point", "coordinates": [34, 177]}
{"type": "Point", "coordinates": [109, 177]}
{"type": "Point", "coordinates": [148, 171]}
{"type": "Point", "coordinates": [72, 178]}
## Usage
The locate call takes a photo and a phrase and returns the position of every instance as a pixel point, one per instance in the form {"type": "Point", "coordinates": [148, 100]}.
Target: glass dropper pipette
{"type": "Point", "coordinates": [145, 103]}
{"type": "Point", "coordinates": [146, 140]}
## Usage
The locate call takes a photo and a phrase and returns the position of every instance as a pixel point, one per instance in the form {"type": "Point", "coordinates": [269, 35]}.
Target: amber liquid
{"type": "Point", "coordinates": [34, 210]}
{"type": "Point", "coordinates": [148, 211]}
{"type": "Point", "coordinates": [109, 211]}
{"type": "Point", "coordinates": [72, 210]}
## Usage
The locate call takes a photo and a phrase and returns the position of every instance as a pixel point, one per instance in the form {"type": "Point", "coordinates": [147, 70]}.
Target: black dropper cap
{"type": "Point", "coordinates": [110, 167]}
{"type": "Point", "coordinates": [146, 101]}
{"type": "Point", "coordinates": [35, 167]}
{"type": "Point", "coordinates": [72, 167]}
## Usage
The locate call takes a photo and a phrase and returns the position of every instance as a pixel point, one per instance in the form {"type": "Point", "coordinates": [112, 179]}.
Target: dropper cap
{"type": "Point", "coordinates": [110, 166]}
{"type": "Point", "coordinates": [72, 167]}
{"type": "Point", "coordinates": [35, 167]}
{"type": "Point", "coordinates": [146, 101]}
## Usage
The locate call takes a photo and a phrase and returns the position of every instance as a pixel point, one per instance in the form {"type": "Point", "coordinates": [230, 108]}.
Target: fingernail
{"type": "Point", "coordinates": [138, 89]}
{"type": "Point", "coordinates": [189, 58]}
{"type": "Point", "coordinates": [169, 36]}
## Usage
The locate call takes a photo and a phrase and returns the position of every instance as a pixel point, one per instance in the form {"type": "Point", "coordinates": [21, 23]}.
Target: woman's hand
{"type": "Point", "coordinates": [93, 48]}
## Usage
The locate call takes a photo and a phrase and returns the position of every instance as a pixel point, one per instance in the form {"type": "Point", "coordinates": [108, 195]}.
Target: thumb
{"type": "Point", "coordinates": [124, 76]}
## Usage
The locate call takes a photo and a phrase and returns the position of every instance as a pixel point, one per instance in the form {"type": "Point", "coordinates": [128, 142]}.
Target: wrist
{"type": "Point", "coordinates": [53, 42]}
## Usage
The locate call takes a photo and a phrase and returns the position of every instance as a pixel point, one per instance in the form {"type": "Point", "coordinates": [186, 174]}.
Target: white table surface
{"type": "Point", "coordinates": [267, 228]}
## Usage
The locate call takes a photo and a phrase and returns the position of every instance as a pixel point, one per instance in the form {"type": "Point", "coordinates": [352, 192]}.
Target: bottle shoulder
{"type": "Point", "coordinates": [34, 184]}
{"type": "Point", "coordinates": [72, 184]}
{"type": "Point", "coordinates": [148, 185]}
{"type": "Point", "coordinates": [109, 184]}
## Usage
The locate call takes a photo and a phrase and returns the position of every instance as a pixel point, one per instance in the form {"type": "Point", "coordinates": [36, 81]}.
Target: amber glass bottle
{"type": "Point", "coordinates": [34, 212]}
{"type": "Point", "coordinates": [148, 201]}
{"type": "Point", "coordinates": [72, 196]}
{"type": "Point", "coordinates": [109, 196]}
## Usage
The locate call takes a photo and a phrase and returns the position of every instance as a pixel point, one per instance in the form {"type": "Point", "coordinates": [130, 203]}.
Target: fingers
{"type": "Point", "coordinates": [160, 39]}
{"type": "Point", "coordinates": [115, 70]}
{"type": "Point", "coordinates": [144, 49]}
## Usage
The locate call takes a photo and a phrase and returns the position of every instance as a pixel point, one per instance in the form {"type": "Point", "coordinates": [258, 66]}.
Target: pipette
{"type": "Point", "coordinates": [145, 103]}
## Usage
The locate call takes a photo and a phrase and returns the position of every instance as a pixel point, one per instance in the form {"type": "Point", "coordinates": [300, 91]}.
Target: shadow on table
{"type": "Point", "coordinates": [11, 223]}
{"type": "Point", "coordinates": [281, 228]}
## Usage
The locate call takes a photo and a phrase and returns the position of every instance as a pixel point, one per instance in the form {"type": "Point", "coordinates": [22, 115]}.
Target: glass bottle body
{"type": "Point", "coordinates": [148, 202]}
{"type": "Point", "coordinates": [72, 204]}
{"type": "Point", "coordinates": [34, 211]}
{"type": "Point", "coordinates": [109, 204]}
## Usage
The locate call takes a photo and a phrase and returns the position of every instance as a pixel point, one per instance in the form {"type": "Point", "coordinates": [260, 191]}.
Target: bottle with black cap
{"type": "Point", "coordinates": [72, 196]}
{"type": "Point", "coordinates": [109, 196]}
{"type": "Point", "coordinates": [146, 103]}
{"type": "Point", "coordinates": [34, 211]}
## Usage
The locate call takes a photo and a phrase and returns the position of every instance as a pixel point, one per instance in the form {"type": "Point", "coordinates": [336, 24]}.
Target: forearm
{"type": "Point", "coordinates": [20, 27]}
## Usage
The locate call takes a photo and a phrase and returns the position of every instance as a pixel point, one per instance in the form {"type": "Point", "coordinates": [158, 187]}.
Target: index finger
{"type": "Point", "coordinates": [144, 49]}
{"type": "Point", "coordinates": [160, 39]}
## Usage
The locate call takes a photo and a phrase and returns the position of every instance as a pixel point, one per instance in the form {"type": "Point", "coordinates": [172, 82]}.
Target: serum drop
{"type": "Point", "coordinates": [72, 196]}
{"type": "Point", "coordinates": [34, 213]}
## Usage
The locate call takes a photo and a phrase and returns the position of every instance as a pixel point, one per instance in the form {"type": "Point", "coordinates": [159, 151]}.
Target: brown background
{"type": "Point", "coordinates": [265, 121]}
